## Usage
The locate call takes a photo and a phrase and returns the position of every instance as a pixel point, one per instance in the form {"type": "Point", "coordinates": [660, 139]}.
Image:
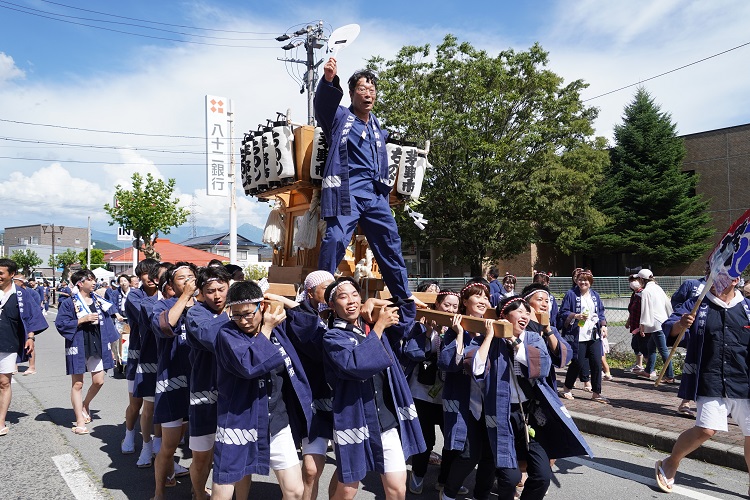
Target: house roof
{"type": "Point", "coordinates": [169, 252]}
{"type": "Point", "coordinates": [220, 239]}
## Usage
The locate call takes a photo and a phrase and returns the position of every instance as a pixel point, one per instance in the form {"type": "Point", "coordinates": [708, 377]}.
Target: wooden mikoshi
{"type": "Point", "coordinates": [294, 188]}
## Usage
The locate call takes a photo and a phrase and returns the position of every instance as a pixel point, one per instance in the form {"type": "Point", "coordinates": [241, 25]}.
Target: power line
{"type": "Point", "coordinates": [118, 132]}
{"type": "Point", "coordinates": [94, 146]}
{"type": "Point", "coordinates": [133, 24]}
{"type": "Point", "coordinates": [668, 72]}
{"type": "Point", "coordinates": [138, 34]}
{"type": "Point", "coordinates": [160, 23]}
{"type": "Point", "coordinates": [100, 162]}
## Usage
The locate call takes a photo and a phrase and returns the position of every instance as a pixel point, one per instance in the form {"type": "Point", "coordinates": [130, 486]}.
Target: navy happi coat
{"type": "Point", "coordinates": [75, 349]}
{"type": "Point", "coordinates": [336, 121]}
{"type": "Point", "coordinates": [203, 325]}
{"type": "Point", "coordinates": [132, 312]}
{"type": "Point", "coordinates": [559, 436]}
{"type": "Point", "coordinates": [31, 317]}
{"type": "Point", "coordinates": [173, 367]}
{"type": "Point", "coordinates": [570, 306]}
{"type": "Point", "coordinates": [145, 374]}
{"type": "Point", "coordinates": [307, 330]}
{"type": "Point", "coordinates": [242, 444]}
{"type": "Point", "coordinates": [456, 390]}
{"type": "Point", "coordinates": [352, 359]}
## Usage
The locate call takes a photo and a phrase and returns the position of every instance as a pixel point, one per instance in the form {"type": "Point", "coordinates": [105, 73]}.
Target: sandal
{"type": "Point", "coordinates": [662, 482]}
{"type": "Point", "coordinates": [79, 430]}
{"type": "Point", "coordinates": [686, 410]}
{"type": "Point", "coordinates": [567, 395]}
{"type": "Point", "coordinates": [669, 381]}
{"type": "Point", "coordinates": [29, 372]}
{"type": "Point", "coordinates": [601, 400]}
{"type": "Point", "coordinates": [4, 431]}
{"type": "Point", "coordinates": [171, 481]}
{"type": "Point", "coordinates": [86, 416]}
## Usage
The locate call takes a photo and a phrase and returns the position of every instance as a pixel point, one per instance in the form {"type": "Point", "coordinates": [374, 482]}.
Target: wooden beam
{"type": "Point", "coordinates": [283, 289]}
{"type": "Point", "coordinates": [501, 327]}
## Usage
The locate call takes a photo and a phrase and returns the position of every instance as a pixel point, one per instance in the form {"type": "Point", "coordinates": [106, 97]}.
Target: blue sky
{"type": "Point", "coordinates": [59, 73]}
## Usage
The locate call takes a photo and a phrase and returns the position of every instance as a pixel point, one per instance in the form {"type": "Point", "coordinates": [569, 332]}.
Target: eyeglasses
{"type": "Point", "coordinates": [364, 90]}
{"type": "Point", "coordinates": [247, 315]}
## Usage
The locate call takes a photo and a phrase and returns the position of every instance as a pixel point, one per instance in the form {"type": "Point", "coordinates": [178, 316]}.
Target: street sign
{"type": "Point", "coordinates": [124, 234]}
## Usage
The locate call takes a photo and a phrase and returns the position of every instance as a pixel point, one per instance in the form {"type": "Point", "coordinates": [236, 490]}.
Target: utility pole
{"type": "Point", "coordinates": [313, 37]}
{"type": "Point", "coordinates": [52, 232]}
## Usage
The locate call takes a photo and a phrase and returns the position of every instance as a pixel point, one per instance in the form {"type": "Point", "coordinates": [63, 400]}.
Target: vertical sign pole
{"type": "Point", "coordinates": [232, 188]}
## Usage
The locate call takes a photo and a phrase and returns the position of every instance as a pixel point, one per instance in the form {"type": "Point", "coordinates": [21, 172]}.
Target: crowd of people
{"type": "Point", "coordinates": [251, 380]}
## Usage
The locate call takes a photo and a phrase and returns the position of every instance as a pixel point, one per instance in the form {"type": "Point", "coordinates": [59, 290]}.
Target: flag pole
{"type": "Point", "coordinates": [681, 330]}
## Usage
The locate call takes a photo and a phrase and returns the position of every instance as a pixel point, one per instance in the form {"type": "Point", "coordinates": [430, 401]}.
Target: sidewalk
{"type": "Point", "coordinates": [645, 415]}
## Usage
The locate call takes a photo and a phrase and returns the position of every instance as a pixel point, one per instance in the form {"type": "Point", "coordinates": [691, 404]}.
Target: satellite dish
{"type": "Point", "coordinates": [341, 37]}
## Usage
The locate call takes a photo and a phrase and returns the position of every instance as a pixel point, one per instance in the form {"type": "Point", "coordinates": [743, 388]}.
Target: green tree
{"type": "Point", "coordinates": [650, 202]}
{"type": "Point", "coordinates": [65, 259]}
{"type": "Point", "coordinates": [26, 260]}
{"type": "Point", "coordinates": [97, 258]}
{"type": "Point", "coordinates": [148, 209]}
{"type": "Point", "coordinates": [511, 144]}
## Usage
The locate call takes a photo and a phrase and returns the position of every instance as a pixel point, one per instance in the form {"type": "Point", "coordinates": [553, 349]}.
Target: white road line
{"type": "Point", "coordinates": [78, 481]}
{"type": "Point", "coordinates": [650, 481]}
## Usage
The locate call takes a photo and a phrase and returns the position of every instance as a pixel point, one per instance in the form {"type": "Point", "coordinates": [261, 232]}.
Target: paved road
{"type": "Point", "coordinates": [45, 460]}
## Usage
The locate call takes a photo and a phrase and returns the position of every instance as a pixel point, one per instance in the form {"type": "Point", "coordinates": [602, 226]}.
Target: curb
{"type": "Point", "coordinates": [712, 452]}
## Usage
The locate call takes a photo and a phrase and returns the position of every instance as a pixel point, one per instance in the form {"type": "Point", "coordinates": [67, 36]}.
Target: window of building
{"type": "Point", "coordinates": [691, 175]}
{"type": "Point", "coordinates": [241, 254]}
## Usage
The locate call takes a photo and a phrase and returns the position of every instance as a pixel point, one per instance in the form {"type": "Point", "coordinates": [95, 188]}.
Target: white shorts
{"type": "Point", "coordinates": [173, 423]}
{"type": "Point", "coordinates": [8, 362]}
{"type": "Point", "coordinates": [131, 386]}
{"type": "Point", "coordinates": [150, 399]}
{"type": "Point", "coordinates": [202, 443]}
{"type": "Point", "coordinates": [283, 450]}
{"type": "Point", "coordinates": [318, 447]}
{"type": "Point", "coordinates": [714, 412]}
{"type": "Point", "coordinates": [393, 452]}
{"type": "Point", "coordinates": [94, 364]}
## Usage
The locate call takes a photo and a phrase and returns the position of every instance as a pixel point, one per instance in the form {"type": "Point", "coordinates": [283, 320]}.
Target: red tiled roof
{"type": "Point", "coordinates": [169, 252]}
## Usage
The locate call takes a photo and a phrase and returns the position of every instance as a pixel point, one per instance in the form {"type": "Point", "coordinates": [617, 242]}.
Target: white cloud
{"type": "Point", "coordinates": [8, 69]}
{"type": "Point", "coordinates": [69, 196]}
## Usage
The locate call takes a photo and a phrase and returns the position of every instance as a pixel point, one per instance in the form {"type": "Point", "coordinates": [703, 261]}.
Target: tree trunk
{"type": "Point", "coordinates": [150, 252]}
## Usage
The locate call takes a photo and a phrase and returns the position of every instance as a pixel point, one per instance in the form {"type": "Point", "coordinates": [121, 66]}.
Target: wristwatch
{"type": "Point", "coordinates": [517, 341]}
{"type": "Point", "coordinates": [547, 335]}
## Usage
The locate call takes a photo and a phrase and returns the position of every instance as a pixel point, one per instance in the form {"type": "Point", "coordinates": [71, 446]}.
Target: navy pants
{"type": "Point", "coordinates": [374, 217]}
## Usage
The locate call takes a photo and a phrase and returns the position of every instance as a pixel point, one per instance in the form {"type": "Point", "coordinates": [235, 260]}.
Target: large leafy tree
{"type": "Point", "coordinates": [650, 202]}
{"type": "Point", "coordinates": [26, 260]}
{"type": "Point", "coordinates": [64, 260]}
{"type": "Point", "coordinates": [511, 144]}
{"type": "Point", "coordinates": [147, 209]}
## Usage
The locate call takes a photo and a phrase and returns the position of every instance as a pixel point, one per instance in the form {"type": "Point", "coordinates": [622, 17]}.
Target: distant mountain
{"type": "Point", "coordinates": [108, 237]}
{"type": "Point", "coordinates": [103, 245]}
